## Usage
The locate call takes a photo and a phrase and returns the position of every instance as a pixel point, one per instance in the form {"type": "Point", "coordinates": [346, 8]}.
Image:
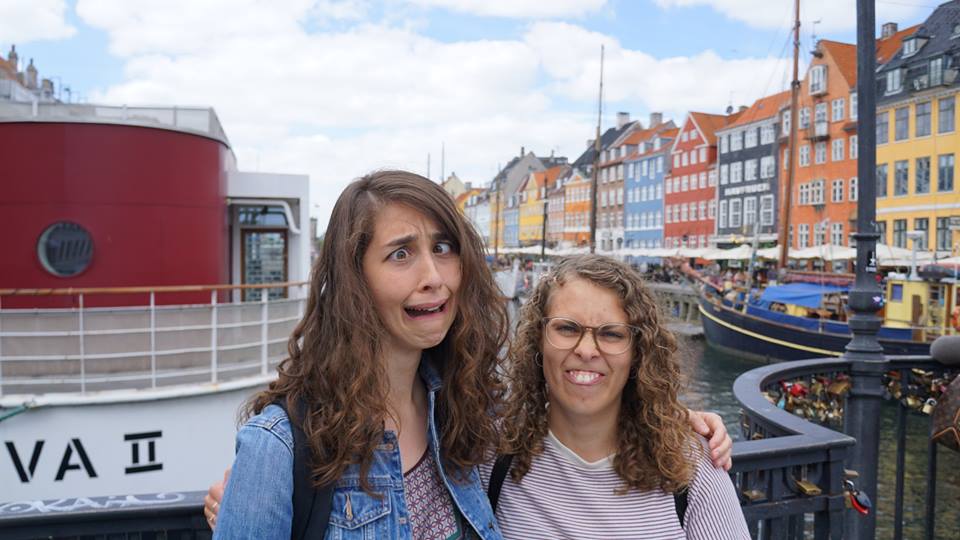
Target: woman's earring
{"type": "Point", "coordinates": [538, 359]}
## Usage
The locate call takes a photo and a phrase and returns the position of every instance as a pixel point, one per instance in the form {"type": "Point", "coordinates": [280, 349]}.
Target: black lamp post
{"type": "Point", "coordinates": [862, 413]}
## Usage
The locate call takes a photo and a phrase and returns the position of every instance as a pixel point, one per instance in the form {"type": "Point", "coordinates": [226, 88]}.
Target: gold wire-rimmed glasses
{"type": "Point", "coordinates": [610, 338]}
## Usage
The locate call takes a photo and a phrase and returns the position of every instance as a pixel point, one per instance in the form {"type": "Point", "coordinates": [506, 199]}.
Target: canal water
{"type": "Point", "coordinates": [710, 387]}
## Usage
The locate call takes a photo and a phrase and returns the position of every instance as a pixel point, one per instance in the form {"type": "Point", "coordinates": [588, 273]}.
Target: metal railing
{"type": "Point", "coordinates": [790, 471]}
{"type": "Point", "coordinates": [86, 349]}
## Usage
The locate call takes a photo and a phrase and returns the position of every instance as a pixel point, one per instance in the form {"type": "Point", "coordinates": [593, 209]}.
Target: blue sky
{"type": "Point", "coordinates": [335, 88]}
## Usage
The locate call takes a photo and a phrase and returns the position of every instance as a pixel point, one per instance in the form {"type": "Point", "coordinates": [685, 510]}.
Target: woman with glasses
{"type": "Point", "coordinates": [600, 445]}
{"type": "Point", "coordinates": [403, 328]}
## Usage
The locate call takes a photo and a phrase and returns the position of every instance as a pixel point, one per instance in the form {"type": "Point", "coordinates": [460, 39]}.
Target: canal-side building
{"type": "Point", "coordinates": [576, 208]}
{"type": "Point", "coordinates": [690, 190]}
{"type": "Point", "coordinates": [504, 206]}
{"type": "Point", "coordinates": [532, 200]}
{"type": "Point", "coordinates": [646, 169]}
{"type": "Point", "coordinates": [477, 210]}
{"type": "Point", "coordinates": [555, 208]}
{"type": "Point", "coordinates": [747, 189]}
{"type": "Point", "coordinates": [610, 185]}
{"type": "Point", "coordinates": [824, 196]}
{"type": "Point", "coordinates": [917, 140]}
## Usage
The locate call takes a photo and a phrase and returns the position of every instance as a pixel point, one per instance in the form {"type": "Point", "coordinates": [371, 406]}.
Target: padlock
{"type": "Point", "coordinates": [754, 495]}
{"type": "Point", "coordinates": [808, 488]}
{"type": "Point", "coordinates": [839, 388]}
{"type": "Point", "coordinates": [861, 502]}
{"type": "Point", "coordinates": [929, 405]}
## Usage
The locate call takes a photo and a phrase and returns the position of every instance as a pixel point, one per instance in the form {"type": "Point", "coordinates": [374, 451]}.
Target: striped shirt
{"type": "Point", "coordinates": [563, 496]}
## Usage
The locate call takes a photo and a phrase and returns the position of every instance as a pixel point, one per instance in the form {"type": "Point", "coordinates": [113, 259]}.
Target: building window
{"type": "Point", "coordinates": [736, 141]}
{"type": "Point", "coordinates": [703, 180]}
{"type": "Point", "coordinates": [922, 127]}
{"type": "Point", "coordinates": [883, 127]}
{"type": "Point", "coordinates": [945, 172]}
{"type": "Point", "coordinates": [693, 156]}
{"type": "Point", "coordinates": [900, 233]}
{"type": "Point", "coordinates": [901, 179]}
{"type": "Point", "coordinates": [724, 174]}
{"type": "Point", "coordinates": [945, 114]}
{"type": "Point", "coordinates": [882, 231]}
{"type": "Point", "coordinates": [836, 194]}
{"type": "Point", "coordinates": [836, 150]}
{"type": "Point", "coordinates": [882, 180]}
{"type": "Point", "coordinates": [722, 219]}
{"type": "Point", "coordinates": [804, 117]}
{"type": "Point", "coordinates": [818, 79]}
{"type": "Point", "coordinates": [768, 167]}
{"type": "Point", "coordinates": [750, 138]}
{"type": "Point", "coordinates": [736, 172]}
{"type": "Point", "coordinates": [712, 209]}
{"type": "Point", "coordinates": [749, 210]}
{"type": "Point", "coordinates": [703, 155]}
{"type": "Point", "coordinates": [901, 123]}
{"type": "Point", "coordinates": [837, 108]}
{"type": "Point", "coordinates": [684, 183]}
{"type": "Point", "coordinates": [684, 159]}
{"type": "Point", "coordinates": [854, 151]}
{"type": "Point", "coordinates": [723, 144]}
{"type": "Point", "coordinates": [766, 210]}
{"type": "Point", "coordinates": [683, 212]}
{"type": "Point", "coordinates": [785, 124]}
{"type": "Point", "coordinates": [804, 190]}
{"type": "Point", "coordinates": [894, 83]}
{"type": "Point", "coordinates": [803, 235]}
{"type": "Point", "coordinates": [853, 190]}
{"type": "Point", "coordinates": [922, 178]}
{"type": "Point", "coordinates": [820, 153]}
{"type": "Point", "coordinates": [767, 134]}
{"type": "Point", "coordinates": [735, 212]}
{"type": "Point", "coordinates": [65, 249]}
{"type": "Point", "coordinates": [805, 155]}
{"type": "Point", "coordinates": [922, 225]}
{"type": "Point", "coordinates": [944, 236]}
{"type": "Point", "coordinates": [853, 106]}
{"type": "Point", "coordinates": [836, 234]}
{"type": "Point", "coordinates": [750, 170]}
{"type": "Point", "coordinates": [702, 210]}
{"type": "Point", "coordinates": [820, 113]}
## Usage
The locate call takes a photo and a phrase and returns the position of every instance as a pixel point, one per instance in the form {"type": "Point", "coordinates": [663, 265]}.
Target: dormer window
{"type": "Point", "coordinates": [909, 47]}
{"type": "Point", "coordinates": [894, 81]}
{"type": "Point", "coordinates": [656, 144]}
{"type": "Point", "coordinates": [818, 79]}
{"type": "Point", "coordinates": [956, 31]}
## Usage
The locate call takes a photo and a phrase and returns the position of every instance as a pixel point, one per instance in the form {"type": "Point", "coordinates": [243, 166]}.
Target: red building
{"type": "Point", "coordinates": [690, 188]}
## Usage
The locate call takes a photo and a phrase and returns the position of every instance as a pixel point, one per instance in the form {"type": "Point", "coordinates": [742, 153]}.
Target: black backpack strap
{"type": "Point", "coordinates": [680, 502]}
{"type": "Point", "coordinates": [499, 473]}
{"type": "Point", "coordinates": [311, 505]}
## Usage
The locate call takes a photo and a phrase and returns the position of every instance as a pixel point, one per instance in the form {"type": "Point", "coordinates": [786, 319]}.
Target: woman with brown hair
{"type": "Point", "coordinates": [394, 367]}
{"type": "Point", "coordinates": [601, 447]}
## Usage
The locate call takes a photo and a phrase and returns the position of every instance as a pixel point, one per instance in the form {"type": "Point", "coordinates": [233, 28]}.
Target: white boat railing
{"type": "Point", "coordinates": [89, 349]}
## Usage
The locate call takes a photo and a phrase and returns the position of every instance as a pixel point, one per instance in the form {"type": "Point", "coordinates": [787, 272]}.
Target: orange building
{"type": "Point", "coordinates": [823, 208]}
{"type": "Point", "coordinates": [576, 208]}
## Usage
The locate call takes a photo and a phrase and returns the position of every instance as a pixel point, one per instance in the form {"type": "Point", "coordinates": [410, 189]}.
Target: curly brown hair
{"type": "Point", "coordinates": [654, 439]}
{"type": "Point", "coordinates": [334, 362]}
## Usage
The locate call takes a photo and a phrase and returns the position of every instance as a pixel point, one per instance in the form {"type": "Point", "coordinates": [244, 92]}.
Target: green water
{"type": "Point", "coordinates": [712, 373]}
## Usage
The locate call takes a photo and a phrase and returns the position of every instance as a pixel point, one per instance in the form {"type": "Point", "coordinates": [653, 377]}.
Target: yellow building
{"type": "Point", "coordinates": [532, 200]}
{"type": "Point", "coordinates": [918, 141]}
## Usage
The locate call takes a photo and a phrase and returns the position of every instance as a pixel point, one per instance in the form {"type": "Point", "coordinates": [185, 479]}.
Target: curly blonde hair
{"type": "Point", "coordinates": [654, 439]}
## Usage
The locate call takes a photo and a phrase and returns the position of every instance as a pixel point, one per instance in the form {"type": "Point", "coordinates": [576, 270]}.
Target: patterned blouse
{"type": "Point", "coordinates": [433, 516]}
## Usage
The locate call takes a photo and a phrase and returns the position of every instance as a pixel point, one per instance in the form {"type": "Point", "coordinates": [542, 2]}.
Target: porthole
{"type": "Point", "coordinates": [65, 249]}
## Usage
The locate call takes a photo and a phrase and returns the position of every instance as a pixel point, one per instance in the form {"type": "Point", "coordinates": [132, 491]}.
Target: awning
{"type": "Point", "coordinates": [800, 294]}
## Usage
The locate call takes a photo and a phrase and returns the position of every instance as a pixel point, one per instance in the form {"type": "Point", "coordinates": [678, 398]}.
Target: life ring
{"type": "Point", "coordinates": [955, 318]}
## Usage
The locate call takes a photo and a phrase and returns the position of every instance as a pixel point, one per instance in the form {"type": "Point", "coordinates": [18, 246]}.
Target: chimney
{"type": "Point", "coordinates": [888, 30]}
{"type": "Point", "coordinates": [623, 118]}
{"type": "Point", "coordinates": [523, 151]}
{"type": "Point", "coordinates": [656, 119]}
{"type": "Point", "coordinates": [13, 58]}
{"type": "Point", "coordinates": [31, 80]}
{"type": "Point", "coordinates": [742, 108]}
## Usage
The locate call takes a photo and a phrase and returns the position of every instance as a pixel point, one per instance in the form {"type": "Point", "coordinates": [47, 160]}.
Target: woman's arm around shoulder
{"type": "Point", "coordinates": [713, 510]}
{"type": "Point", "coordinates": [258, 501]}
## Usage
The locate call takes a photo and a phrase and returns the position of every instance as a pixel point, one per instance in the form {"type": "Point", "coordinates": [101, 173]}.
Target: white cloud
{"type": "Point", "coordinates": [833, 15]}
{"type": "Point", "coordinates": [526, 9]}
{"type": "Point", "coordinates": [22, 21]}
{"type": "Point", "coordinates": [335, 98]}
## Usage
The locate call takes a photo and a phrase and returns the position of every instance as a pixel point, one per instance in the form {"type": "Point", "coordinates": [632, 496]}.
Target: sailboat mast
{"type": "Point", "coordinates": [596, 164]}
{"type": "Point", "coordinates": [786, 188]}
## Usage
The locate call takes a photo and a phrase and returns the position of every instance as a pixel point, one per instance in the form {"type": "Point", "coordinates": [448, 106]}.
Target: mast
{"type": "Point", "coordinates": [786, 188]}
{"type": "Point", "coordinates": [543, 229]}
{"type": "Point", "coordinates": [496, 228]}
{"type": "Point", "coordinates": [596, 164]}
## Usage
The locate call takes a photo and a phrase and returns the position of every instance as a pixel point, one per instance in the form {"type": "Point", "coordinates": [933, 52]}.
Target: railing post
{"type": "Point", "coordinates": [263, 331]}
{"type": "Point", "coordinates": [213, 336]}
{"type": "Point", "coordinates": [83, 360]}
{"type": "Point", "coordinates": [862, 411]}
{"type": "Point", "coordinates": [153, 340]}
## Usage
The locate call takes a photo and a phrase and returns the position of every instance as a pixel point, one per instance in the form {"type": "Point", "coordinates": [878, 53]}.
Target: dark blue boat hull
{"type": "Point", "coordinates": [757, 338]}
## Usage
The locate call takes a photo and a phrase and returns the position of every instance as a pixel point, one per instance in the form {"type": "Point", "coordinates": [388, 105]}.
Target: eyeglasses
{"type": "Point", "coordinates": [610, 338]}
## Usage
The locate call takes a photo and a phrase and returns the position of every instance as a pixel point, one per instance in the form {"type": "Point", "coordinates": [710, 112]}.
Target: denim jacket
{"type": "Point", "coordinates": [258, 502]}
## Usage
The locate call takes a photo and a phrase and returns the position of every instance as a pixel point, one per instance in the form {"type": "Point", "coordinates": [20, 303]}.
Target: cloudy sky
{"type": "Point", "coordinates": [336, 88]}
